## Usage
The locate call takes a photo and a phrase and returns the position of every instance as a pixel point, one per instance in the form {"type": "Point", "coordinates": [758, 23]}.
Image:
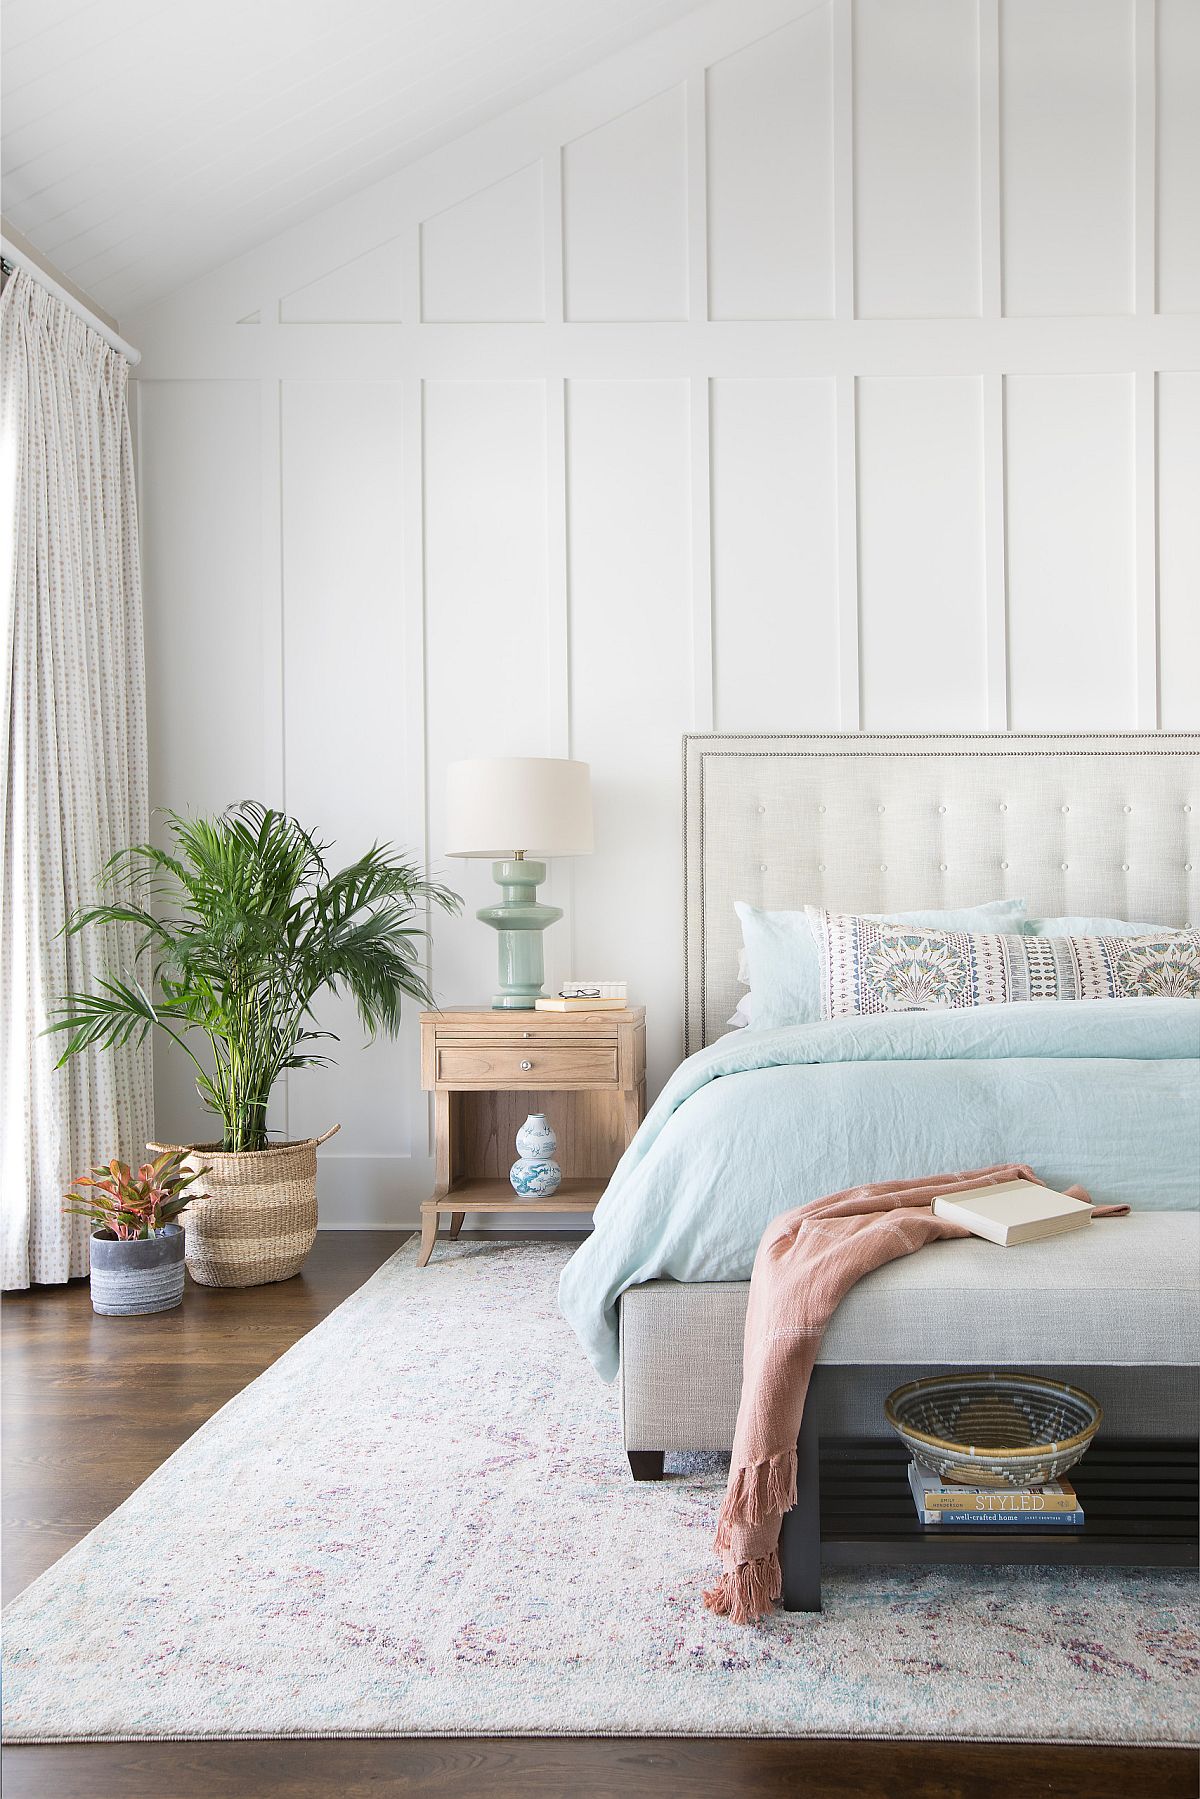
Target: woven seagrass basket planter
{"type": "Point", "coordinates": [255, 1219]}
{"type": "Point", "coordinates": [994, 1430]}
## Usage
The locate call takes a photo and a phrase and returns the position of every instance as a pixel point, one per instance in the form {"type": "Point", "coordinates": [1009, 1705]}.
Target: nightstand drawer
{"type": "Point", "coordinates": [530, 1027]}
{"type": "Point", "coordinates": [526, 1064]}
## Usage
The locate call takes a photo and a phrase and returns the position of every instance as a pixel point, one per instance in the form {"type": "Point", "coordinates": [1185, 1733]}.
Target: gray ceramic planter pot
{"type": "Point", "coordinates": [142, 1275]}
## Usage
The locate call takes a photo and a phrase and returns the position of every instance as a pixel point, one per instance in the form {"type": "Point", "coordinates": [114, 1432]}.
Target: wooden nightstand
{"type": "Point", "coordinates": [489, 1070]}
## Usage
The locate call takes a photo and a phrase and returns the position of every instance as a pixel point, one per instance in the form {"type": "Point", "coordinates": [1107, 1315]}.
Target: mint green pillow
{"type": "Point", "coordinates": [1091, 927]}
{"type": "Point", "coordinates": [784, 967]}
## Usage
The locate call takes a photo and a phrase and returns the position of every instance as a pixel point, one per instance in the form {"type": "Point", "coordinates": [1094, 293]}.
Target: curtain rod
{"type": "Point", "coordinates": [20, 260]}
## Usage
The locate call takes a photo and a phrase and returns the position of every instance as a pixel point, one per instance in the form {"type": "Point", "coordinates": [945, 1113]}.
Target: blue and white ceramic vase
{"type": "Point", "coordinates": [536, 1141]}
{"type": "Point", "coordinates": [536, 1175]}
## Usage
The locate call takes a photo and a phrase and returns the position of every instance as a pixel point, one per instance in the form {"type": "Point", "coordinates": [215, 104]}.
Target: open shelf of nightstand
{"type": "Point", "coordinates": [496, 1195]}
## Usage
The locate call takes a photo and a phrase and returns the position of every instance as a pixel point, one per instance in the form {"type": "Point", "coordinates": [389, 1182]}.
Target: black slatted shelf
{"type": "Point", "coordinates": [1140, 1502]}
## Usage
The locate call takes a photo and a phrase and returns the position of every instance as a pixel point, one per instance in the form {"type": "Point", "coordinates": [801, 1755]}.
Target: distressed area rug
{"type": "Point", "coordinates": [420, 1522]}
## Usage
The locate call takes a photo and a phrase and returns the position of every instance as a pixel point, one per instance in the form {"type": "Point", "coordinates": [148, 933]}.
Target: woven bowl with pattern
{"type": "Point", "coordinates": [994, 1430]}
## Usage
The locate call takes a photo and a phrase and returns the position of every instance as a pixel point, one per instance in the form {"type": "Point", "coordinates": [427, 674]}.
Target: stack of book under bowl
{"type": "Point", "coordinates": [1050, 1505]}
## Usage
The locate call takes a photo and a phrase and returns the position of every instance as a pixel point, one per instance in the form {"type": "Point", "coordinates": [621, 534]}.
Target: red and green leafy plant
{"type": "Point", "coordinates": [134, 1205]}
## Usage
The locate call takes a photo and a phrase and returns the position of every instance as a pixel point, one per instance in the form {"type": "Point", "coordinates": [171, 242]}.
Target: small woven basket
{"type": "Point", "coordinates": [994, 1430]}
{"type": "Point", "coordinates": [254, 1215]}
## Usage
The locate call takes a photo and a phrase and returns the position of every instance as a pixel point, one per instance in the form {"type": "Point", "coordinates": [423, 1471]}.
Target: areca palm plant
{"type": "Point", "coordinates": [243, 926]}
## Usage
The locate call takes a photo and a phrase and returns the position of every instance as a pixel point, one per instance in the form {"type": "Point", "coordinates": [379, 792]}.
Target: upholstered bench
{"type": "Point", "coordinates": [1114, 1309]}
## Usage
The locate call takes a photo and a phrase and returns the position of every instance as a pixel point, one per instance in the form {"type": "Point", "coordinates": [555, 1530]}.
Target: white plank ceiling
{"type": "Point", "coordinates": [146, 141]}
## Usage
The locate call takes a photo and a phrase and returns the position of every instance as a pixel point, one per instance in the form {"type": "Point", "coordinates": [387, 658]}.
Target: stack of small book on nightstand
{"type": "Point", "coordinates": [586, 996]}
{"type": "Point", "coordinates": [1052, 1506]}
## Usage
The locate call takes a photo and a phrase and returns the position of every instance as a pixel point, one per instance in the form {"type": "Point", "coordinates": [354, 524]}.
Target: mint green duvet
{"type": "Point", "coordinates": [1106, 1092]}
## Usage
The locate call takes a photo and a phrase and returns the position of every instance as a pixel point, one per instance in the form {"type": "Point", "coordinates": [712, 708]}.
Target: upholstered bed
{"type": "Point", "coordinates": [1101, 1091]}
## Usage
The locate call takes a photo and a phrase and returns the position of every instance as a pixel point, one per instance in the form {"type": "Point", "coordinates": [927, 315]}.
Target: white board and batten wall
{"type": "Point", "coordinates": [802, 367]}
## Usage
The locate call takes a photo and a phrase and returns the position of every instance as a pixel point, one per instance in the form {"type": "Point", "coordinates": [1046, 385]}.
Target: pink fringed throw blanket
{"type": "Point", "coordinates": [807, 1261]}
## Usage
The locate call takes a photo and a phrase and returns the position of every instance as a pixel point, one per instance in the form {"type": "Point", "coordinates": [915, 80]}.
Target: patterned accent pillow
{"type": "Point", "coordinates": [869, 966]}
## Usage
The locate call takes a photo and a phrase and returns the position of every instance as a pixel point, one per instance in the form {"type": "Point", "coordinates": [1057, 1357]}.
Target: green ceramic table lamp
{"type": "Point", "coordinates": [503, 808]}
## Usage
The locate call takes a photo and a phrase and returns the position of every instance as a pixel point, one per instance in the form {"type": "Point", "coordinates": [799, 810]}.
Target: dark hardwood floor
{"type": "Point", "coordinates": [92, 1405]}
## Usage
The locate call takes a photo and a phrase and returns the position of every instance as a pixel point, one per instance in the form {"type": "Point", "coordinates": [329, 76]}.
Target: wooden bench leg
{"type": "Point", "coordinates": [429, 1231]}
{"type": "Point", "coordinates": [456, 1223]}
{"type": "Point", "coordinates": [646, 1464]}
{"type": "Point", "coordinates": [800, 1532]}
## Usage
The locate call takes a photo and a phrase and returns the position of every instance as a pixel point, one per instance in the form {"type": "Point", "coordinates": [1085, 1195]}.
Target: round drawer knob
{"type": "Point", "coordinates": [527, 1065]}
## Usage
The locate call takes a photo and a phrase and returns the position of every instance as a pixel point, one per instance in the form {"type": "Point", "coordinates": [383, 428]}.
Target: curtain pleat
{"type": "Point", "coordinates": [73, 787]}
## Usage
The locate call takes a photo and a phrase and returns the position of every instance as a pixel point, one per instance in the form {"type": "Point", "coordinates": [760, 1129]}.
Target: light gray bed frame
{"type": "Point", "coordinates": [1106, 824]}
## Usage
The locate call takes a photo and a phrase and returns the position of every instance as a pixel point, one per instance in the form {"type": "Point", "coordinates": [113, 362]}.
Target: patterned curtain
{"type": "Point", "coordinates": [73, 785]}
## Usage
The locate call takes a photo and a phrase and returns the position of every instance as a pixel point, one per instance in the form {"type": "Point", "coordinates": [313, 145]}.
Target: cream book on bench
{"type": "Point", "coordinates": [1014, 1212]}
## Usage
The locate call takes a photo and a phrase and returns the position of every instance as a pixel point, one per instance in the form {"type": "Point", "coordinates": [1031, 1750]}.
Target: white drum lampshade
{"type": "Point", "coordinates": [514, 810]}
{"type": "Point", "coordinates": [502, 806]}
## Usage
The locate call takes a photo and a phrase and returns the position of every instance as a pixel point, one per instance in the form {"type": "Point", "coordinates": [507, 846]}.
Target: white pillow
{"type": "Point", "coordinates": [743, 1014]}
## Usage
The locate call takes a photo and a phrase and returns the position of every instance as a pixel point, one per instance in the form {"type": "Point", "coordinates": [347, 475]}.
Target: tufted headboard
{"type": "Point", "coordinates": [1105, 823]}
